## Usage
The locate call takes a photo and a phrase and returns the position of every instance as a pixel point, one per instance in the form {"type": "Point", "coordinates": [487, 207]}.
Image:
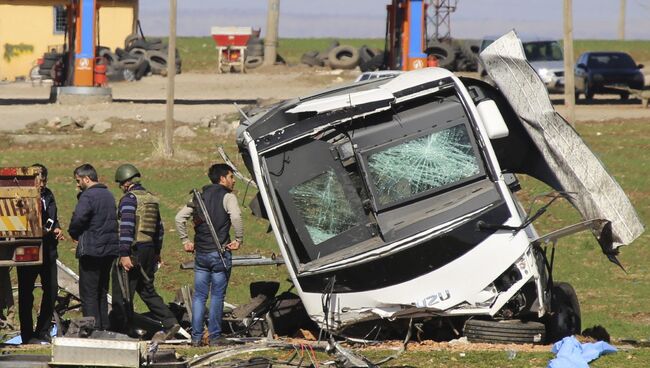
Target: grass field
{"type": "Point", "coordinates": [199, 54]}
{"type": "Point", "coordinates": [610, 297]}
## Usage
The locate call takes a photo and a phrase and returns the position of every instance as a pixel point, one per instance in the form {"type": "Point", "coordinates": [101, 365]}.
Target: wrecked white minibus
{"type": "Point", "coordinates": [392, 201]}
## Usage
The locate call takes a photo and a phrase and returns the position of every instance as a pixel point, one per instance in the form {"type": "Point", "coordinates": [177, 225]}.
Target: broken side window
{"type": "Point", "coordinates": [324, 207]}
{"type": "Point", "coordinates": [422, 164]}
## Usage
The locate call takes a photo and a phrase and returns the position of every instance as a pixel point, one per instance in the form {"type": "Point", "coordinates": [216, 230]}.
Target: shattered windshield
{"type": "Point", "coordinates": [324, 207]}
{"type": "Point", "coordinates": [422, 164]}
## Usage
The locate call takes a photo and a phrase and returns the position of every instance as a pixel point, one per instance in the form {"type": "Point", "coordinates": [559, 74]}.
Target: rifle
{"type": "Point", "coordinates": [208, 222]}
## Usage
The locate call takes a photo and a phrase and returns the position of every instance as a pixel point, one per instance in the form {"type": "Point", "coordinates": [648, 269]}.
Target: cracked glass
{"type": "Point", "coordinates": [324, 207]}
{"type": "Point", "coordinates": [422, 164]}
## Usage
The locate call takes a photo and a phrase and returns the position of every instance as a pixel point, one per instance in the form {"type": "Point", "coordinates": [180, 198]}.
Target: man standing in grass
{"type": "Point", "coordinates": [210, 275]}
{"type": "Point", "coordinates": [94, 228]}
{"type": "Point", "coordinates": [141, 236]}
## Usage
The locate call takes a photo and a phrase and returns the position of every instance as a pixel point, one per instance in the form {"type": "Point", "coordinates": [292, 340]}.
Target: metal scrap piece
{"type": "Point", "coordinates": [576, 167]}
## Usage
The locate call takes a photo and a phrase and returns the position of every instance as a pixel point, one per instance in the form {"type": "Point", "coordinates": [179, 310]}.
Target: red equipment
{"type": "Point", "coordinates": [100, 72]}
{"type": "Point", "coordinates": [231, 47]}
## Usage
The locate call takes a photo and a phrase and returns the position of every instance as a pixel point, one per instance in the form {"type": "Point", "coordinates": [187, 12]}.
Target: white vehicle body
{"type": "Point", "coordinates": [350, 181]}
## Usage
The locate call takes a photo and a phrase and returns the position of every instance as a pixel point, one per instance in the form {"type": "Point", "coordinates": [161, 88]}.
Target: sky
{"type": "Point", "coordinates": [592, 19]}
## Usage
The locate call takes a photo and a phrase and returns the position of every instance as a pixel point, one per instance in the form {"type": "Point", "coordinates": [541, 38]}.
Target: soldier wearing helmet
{"type": "Point", "coordinates": [141, 235]}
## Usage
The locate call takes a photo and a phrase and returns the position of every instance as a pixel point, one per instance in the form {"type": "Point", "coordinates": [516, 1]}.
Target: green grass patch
{"type": "Point", "coordinates": [199, 53]}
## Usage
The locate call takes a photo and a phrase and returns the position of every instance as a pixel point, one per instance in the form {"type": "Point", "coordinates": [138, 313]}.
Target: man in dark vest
{"type": "Point", "coordinates": [27, 275]}
{"type": "Point", "coordinates": [141, 237]}
{"type": "Point", "coordinates": [210, 275]}
{"type": "Point", "coordinates": [94, 228]}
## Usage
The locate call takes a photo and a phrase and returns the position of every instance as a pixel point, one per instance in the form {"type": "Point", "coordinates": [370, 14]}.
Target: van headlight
{"type": "Point", "coordinates": [546, 75]}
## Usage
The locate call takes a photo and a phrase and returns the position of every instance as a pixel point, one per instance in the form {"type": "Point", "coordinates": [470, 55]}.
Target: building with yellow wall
{"type": "Point", "coordinates": [29, 28]}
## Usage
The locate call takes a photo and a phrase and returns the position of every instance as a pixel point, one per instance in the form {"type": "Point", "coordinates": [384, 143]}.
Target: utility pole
{"type": "Point", "coordinates": [621, 21]}
{"type": "Point", "coordinates": [168, 149]}
{"type": "Point", "coordinates": [271, 38]}
{"type": "Point", "coordinates": [569, 80]}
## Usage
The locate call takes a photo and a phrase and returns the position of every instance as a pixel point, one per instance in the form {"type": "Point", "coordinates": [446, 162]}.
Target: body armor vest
{"type": "Point", "coordinates": [146, 216]}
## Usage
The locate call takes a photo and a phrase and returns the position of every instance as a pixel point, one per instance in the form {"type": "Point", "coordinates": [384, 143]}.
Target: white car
{"type": "Point", "coordinates": [544, 55]}
{"type": "Point", "coordinates": [393, 202]}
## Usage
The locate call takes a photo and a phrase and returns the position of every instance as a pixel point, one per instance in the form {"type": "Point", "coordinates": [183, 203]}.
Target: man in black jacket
{"type": "Point", "coordinates": [94, 227]}
{"type": "Point", "coordinates": [47, 271]}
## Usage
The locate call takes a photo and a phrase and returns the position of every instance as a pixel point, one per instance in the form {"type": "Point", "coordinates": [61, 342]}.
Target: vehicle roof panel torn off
{"type": "Point", "coordinates": [393, 198]}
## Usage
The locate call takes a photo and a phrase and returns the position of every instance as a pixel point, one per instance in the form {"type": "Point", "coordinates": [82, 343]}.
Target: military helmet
{"type": "Point", "coordinates": [126, 172]}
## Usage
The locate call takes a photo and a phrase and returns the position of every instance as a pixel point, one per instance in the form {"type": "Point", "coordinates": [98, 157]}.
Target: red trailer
{"type": "Point", "coordinates": [231, 47]}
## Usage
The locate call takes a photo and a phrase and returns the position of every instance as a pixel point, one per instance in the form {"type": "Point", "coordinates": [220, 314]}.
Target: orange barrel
{"type": "Point", "coordinates": [100, 72]}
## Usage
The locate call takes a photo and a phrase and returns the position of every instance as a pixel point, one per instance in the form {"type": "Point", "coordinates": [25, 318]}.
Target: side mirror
{"type": "Point", "coordinates": [492, 119]}
{"type": "Point", "coordinates": [640, 66]}
{"type": "Point", "coordinates": [581, 66]}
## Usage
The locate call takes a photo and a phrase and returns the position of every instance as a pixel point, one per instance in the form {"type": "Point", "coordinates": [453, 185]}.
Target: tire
{"type": "Point", "coordinates": [444, 53]}
{"type": "Point", "coordinates": [503, 332]}
{"type": "Point", "coordinates": [564, 319]}
{"type": "Point", "coordinates": [109, 56]}
{"type": "Point", "coordinates": [253, 62]}
{"type": "Point", "coordinates": [256, 49]}
{"type": "Point", "coordinates": [470, 58]}
{"type": "Point", "coordinates": [366, 54]}
{"type": "Point", "coordinates": [311, 58]}
{"type": "Point", "coordinates": [128, 41]}
{"type": "Point", "coordinates": [99, 49]}
{"type": "Point", "coordinates": [157, 61]}
{"type": "Point", "coordinates": [138, 52]}
{"type": "Point", "coordinates": [376, 63]}
{"type": "Point", "coordinates": [343, 57]}
{"type": "Point", "coordinates": [142, 70]}
{"type": "Point", "coordinates": [52, 56]}
{"type": "Point", "coordinates": [48, 64]}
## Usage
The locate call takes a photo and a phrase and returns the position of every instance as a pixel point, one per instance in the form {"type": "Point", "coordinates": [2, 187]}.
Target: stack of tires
{"type": "Point", "coordinates": [254, 53]}
{"type": "Point", "coordinates": [49, 59]}
{"type": "Point", "coordinates": [457, 55]}
{"type": "Point", "coordinates": [339, 56]}
{"type": "Point", "coordinates": [139, 57]}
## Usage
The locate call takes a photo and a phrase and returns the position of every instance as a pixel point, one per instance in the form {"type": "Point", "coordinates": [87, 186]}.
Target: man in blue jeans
{"type": "Point", "coordinates": [210, 275]}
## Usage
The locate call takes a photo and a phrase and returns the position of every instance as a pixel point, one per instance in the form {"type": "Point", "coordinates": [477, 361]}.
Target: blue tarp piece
{"type": "Point", "coordinates": [570, 353]}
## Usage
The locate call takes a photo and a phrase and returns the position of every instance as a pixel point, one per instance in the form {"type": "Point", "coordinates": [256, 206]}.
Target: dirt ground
{"type": "Point", "coordinates": [204, 95]}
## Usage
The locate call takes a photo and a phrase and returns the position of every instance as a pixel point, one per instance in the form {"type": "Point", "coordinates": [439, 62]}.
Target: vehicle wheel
{"type": "Point", "coordinates": [589, 93]}
{"type": "Point", "coordinates": [508, 331]}
{"type": "Point", "coordinates": [625, 96]}
{"type": "Point", "coordinates": [564, 319]}
{"type": "Point", "coordinates": [343, 57]}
